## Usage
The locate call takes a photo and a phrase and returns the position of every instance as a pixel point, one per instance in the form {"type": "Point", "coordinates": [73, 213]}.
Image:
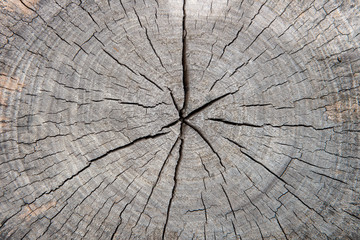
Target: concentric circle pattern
{"type": "Point", "coordinates": [179, 119]}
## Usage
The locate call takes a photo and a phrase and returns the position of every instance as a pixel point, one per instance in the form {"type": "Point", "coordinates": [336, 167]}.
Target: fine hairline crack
{"type": "Point", "coordinates": [176, 180]}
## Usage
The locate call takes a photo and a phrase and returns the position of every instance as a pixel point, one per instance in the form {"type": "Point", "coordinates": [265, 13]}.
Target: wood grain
{"type": "Point", "coordinates": [188, 119]}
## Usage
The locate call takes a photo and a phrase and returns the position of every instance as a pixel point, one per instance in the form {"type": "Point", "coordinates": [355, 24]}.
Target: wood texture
{"type": "Point", "coordinates": [188, 119]}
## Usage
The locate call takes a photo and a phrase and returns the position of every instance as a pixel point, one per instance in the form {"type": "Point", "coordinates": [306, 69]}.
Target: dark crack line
{"type": "Point", "coordinates": [277, 220]}
{"type": "Point", "coordinates": [195, 210]}
{"type": "Point", "coordinates": [89, 15]}
{"type": "Point", "coordinates": [205, 210]}
{"type": "Point", "coordinates": [157, 180]}
{"type": "Point", "coordinates": [138, 18]}
{"type": "Point", "coordinates": [170, 124]}
{"type": "Point", "coordinates": [67, 203]}
{"type": "Point", "coordinates": [22, 2]}
{"type": "Point", "coordinates": [208, 104]}
{"type": "Point", "coordinates": [351, 214]}
{"type": "Point", "coordinates": [143, 106]}
{"type": "Point", "coordinates": [185, 74]}
{"type": "Point", "coordinates": [262, 237]}
{"type": "Point", "coordinates": [266, 124]}
{"type": "Point", "coordinates": [120, 216]}
{"type": "Point", "coordinates": [10, 217]}
{"type": "Point", "coordinates": [176, 172]}
{"type": "Point", "coordinates": [228, 199]}
{"type": "Point", "coordinates": [174, 101]}
{"type": "Point", "coordinates": [151, 81]}
{"type": "Point", "coordinates": [324, 175]}
{"type": "Point", "coordinates": [148, 38]}
{"type": "Point", "coordinates": [203, 164]}
{"type": "Point", "coordinates": [234, 228]}
{"type": "Point", "coordinates": [286, 167]}
{"type": "Point", "coordinates": [131, 70]}
{"type": "Point", "coordinates": [128, 145]}
{"type": "Point", "coordinates": [256, 161]}
{"type": "Point", "coordinates": [239, 67]}
{"type": "Point", "coordinates": [80, 49]}
{"type": "Point", "coordinates": [99, 209]}
{"type": "Point", "coordinates": [308, 163]}
{"type": "Point", "coordinates": [121, 64]}
{"type": "Point", "coordinates": [96, 159]}
{"type": "Point", "coordinates": [227, 45]}
{"type": "Point", "coordinates": [209, 62]}
{"type": "Point", "coordinates": [122, 5]}
{"type": "Point", "coordinates": [234, 123]}
{"type": "Point", "coordinates": [258, 12]}
{"type": "Point", "coordinates": [253, 204]}
{"type": "Point", "coordinates": [258, 35]}
{"type": "Point", "coordinates": [107, 214]}
{"type": "Point", "coordinates": [312, 209]}
{"type": "Point", "coordinates": [153, 48]}
{"type": "Point", "coordinates": [217, 80]}
{"type": "Point", "coordinates": [206, 141]}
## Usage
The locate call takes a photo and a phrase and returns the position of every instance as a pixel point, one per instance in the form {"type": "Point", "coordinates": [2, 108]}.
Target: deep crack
{"type": "Point", "coordinates": [121, 147]}
{"type": "Point", "coordinates": [185, 74]}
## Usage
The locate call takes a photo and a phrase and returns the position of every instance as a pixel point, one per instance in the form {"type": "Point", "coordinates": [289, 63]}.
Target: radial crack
{"type": "Point", "coordinates": [205, 210]}
{"type": "Point", "coordinates": [174, 101]}
{"type": "Point", "coordinates": [120, 216]}
{"type": "Point", "coordinates": [118, 62]}
{"type": "Point", "coordinates": [217, 80]}
{"type": "Point", "coordinates": [267, 124]}
{"type": "Point", "coordinates": [151, 81]}
{"type": "Point", "coordinates": [242, 65]}
{"type": "Point", "coordinates": [176, 172]}
{"type": "Point", "coordinates": [142, 105]}
{"type": "Point", "coordinates": [131, 70]}
{"type": "Point", "coordinates": [256, 161]}
{"type": "Point", "coordinates": [170, 124]}
{"type": "Point", "coordinates": [199, 109]}
{"type": "Point", "coordinates": [152, 47]}
{"type": "Point", "coordinates": [127, 145]}
{"type": "Point", "coordinates": [293, 194]}
{"type": "Point", "coordinates": [228, 199]}
{"type": "Point", "coordinates": [234, 123]}
{"type": "Point", "coordinates": [203, 164]}
{"type": "Point", "coordinates": [206, 141]}
{"type": "Point", "coordinates": [157, 180]}
{"type": "Point", "coordinates": [185, 76]}
{"type": "Point", "coordinates": [324, 175]}
{"type": "Point", "coordinates": [277, 220]}
{"type": "Point", "coordinates": [227, 45]}
{"type": "Point", "coordinates": [98, 158]}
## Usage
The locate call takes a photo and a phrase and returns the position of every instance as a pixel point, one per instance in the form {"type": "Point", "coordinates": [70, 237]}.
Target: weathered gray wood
{"type": "Point", "coordinates": [179, 120]}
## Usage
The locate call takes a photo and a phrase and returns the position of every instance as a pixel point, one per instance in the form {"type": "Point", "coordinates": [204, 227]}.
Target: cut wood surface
{"type": "Point", "coordinates": [168, 119]}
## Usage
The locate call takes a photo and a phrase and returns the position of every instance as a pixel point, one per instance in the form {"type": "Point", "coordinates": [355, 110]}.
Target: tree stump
{"type": "Point", "coordinates": [179, 119]}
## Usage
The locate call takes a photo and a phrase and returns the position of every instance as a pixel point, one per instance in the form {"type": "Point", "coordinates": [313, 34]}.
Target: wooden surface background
{"type": "Point", "coordinates": [166, 119]}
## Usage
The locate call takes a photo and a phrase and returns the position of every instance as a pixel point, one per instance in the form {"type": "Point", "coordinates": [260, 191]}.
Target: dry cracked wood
{"type": "Point", "coordinates": [171, 119]}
